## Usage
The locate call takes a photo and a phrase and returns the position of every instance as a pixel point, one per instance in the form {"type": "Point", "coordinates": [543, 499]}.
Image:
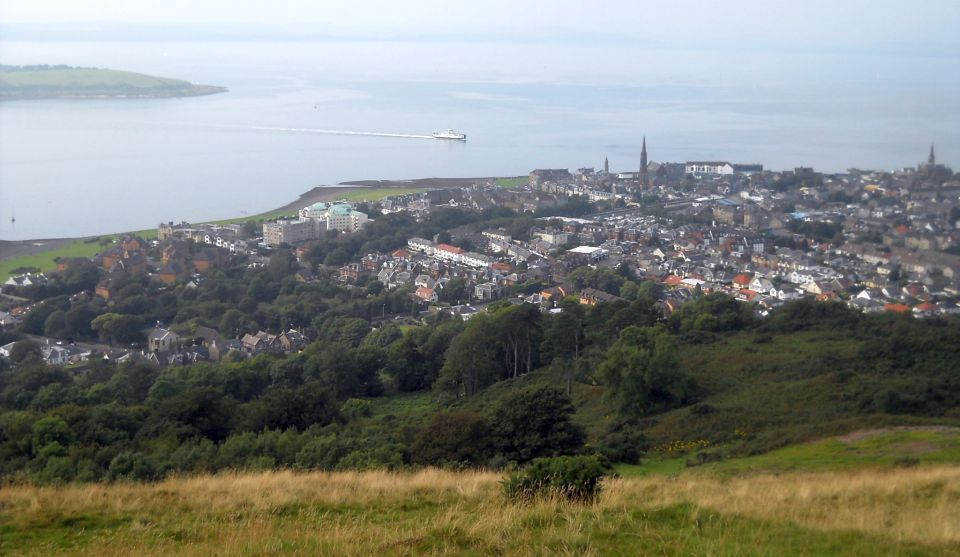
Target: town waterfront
{"type": "Point", "coordinates": [77, 168]}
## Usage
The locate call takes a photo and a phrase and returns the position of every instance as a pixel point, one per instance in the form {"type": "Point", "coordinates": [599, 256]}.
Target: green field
{"type": "Point", "coordinates": [516, 182]}
{"type": "Point", "coordinates": [869, 448]}
{"type": "Point", "coordinates": [877, 448]}
{"type": "Point", "coordinates": [93, 82]}
{"type": "Point", "coordinates": [375, 194]}
{"type": "Point", "coordinates": [46, 261]}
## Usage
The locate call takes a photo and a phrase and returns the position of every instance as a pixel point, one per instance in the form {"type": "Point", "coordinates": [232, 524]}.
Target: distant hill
{"type": "Point", "coordinates": [66, 82]}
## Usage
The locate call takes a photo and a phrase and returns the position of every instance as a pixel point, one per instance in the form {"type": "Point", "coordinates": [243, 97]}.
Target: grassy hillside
{"type": "Point", "coordinates": [869, 448]}
{"type": "Point", "coordinates": [896, 512]}
{"type": "Point", "coordinates": [786, 388]}
{"type": "Point", "coordinates": [67, 82]}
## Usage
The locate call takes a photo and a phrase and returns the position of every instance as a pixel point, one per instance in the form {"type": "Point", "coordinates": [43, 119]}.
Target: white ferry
{"type": "Point", "coordinates": [450, 134]}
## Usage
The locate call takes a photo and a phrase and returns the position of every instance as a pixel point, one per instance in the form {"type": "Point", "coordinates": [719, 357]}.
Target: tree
{"type": "Point", "coordinates": [338, 366]}
{"type": "Point", "coordinates": [452, 437]}
{"type": "Point", "coordinates": [349, 330]}
{"type": "Point", "coordinates": [199, 411]}
{"type": "Point", "coordinates": [455, 291]}
{"type": "Point", "coordinates": [50, 430]}
{"type": "Point", "coordinates": [642, 373]}
{"type": "Point", "coordinates": [23, 349]}
{"type": "Point", "coordinates": [408, 367]}
{"type": "Point", "coordinates": [519, 330]}
{"type": "Point", "coordinates": [117, 328]}
{"type": "Point", "coordinates": [55, 325]}
{"type": "Point", "coordinates": [281, 408]}
{"type": "Point", "coordinates": [535, 423]}
{"type": "Point", "coordinates": [470, 362]}
{"type": "Point", "coordinates": [564, 336]}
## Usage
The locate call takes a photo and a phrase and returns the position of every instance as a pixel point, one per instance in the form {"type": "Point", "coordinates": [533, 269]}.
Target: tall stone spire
{"type": "Point", "coordinates": [606, 165]}
{"type": "Point", "coordinates": [643, 162]}
{"type": "Point", "coordinates": [933, 158]}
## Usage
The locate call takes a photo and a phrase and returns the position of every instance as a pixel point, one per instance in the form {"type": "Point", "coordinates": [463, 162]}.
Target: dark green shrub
{"type": "Point", "coordinates": [576, 478]}
{"type": "Point", "coordinates": [623, 443]}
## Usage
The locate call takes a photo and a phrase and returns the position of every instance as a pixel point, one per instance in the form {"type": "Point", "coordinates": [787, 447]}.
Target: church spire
{"type": "Point", "coordinates": [643, 162]}
{"type": "Point", "coordinates": [933, 158]}
{"type": "Point", "coordinates": [606, 165]}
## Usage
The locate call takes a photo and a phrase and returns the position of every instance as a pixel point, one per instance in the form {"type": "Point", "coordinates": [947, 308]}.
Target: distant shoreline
{"type": "Point", "coordinates": [15, 249]}
{"type": "Point", "coordinates": [198, 91]}
{"type": "Point", "coordinates": [20, 83]}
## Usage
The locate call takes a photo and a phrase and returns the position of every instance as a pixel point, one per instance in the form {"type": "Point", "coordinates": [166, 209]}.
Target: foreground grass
{"type": "Point", "coordinates": [893, 512]}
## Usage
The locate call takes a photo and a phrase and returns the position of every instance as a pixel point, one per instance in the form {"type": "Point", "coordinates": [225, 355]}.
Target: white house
{"type": "Point", "coordinates": [421, 245]}
{"type": "Point", "coordinates": [708, 168]}
{"type": "Point", "coordinates": [474, 259]}
{"type": "Point", "coordinates": [760, 284]}
{"type": "Point", "coordinates": [56, 355]}
{"type": "Point", "coordinates": [162, 340]}
{"type": "Point", "coordinates": [595, 253]}
{"type": "Point", "coordinates": [6, 349]}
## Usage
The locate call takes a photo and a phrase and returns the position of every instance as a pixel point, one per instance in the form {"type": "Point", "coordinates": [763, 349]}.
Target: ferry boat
{"type": "Point", "coordinates": [450, 134]}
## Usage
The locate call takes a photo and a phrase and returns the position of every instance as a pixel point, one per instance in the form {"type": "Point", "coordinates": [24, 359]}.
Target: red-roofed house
{"type": "Point", "coordinates": [897, 308]}
{"type": "Point", "coordinates": [747, 295]}
{"type": "Point", "coordinates": [447, 252]}
{"type": "Point", "coordinates": [742, 280]}
{"type": "Point", "coordinates": [426, 294]}
{"type": "Point", "coordinates": [672, 280]}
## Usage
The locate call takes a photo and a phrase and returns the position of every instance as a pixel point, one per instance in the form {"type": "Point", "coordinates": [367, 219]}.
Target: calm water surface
{"type": "Point", "coordinates": [71, 168]}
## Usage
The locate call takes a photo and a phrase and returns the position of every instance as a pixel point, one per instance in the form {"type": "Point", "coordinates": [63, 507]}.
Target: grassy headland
{"type": "Point", "coordinates": [889, 512]}
{"type": "Point", "coordinates": [42, 254]}
{"type": "Point", "coordinates": [66, 82]}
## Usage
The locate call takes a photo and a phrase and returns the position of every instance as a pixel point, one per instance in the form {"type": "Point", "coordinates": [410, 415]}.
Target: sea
{"type": "Point", "coordinates": [73, 168]}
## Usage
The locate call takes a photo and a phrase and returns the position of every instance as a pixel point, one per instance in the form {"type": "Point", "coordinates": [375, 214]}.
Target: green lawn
{"type": "Point", "coordinates": [46, 261]}
{"type": "Point", "coordinates": [272, 215]}
{"type": "Point", "coordinates": [516, 182]}
{"type": "Point", "coordinates": [376, 194]}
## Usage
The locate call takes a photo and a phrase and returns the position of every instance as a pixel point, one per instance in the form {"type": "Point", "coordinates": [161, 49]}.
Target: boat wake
{"type": "Point", "coordinates": [307, 130]}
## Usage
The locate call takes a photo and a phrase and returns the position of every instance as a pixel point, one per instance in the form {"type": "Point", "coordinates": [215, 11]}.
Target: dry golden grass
{"type": "Point", "coordinates": [909, 504]}
{"type": "Point", "coordinates": [453, 513]}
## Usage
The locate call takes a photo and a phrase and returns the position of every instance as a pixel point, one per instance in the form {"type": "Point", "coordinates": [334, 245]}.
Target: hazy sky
{"type": "Point", "coordinates": [924, 25]}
